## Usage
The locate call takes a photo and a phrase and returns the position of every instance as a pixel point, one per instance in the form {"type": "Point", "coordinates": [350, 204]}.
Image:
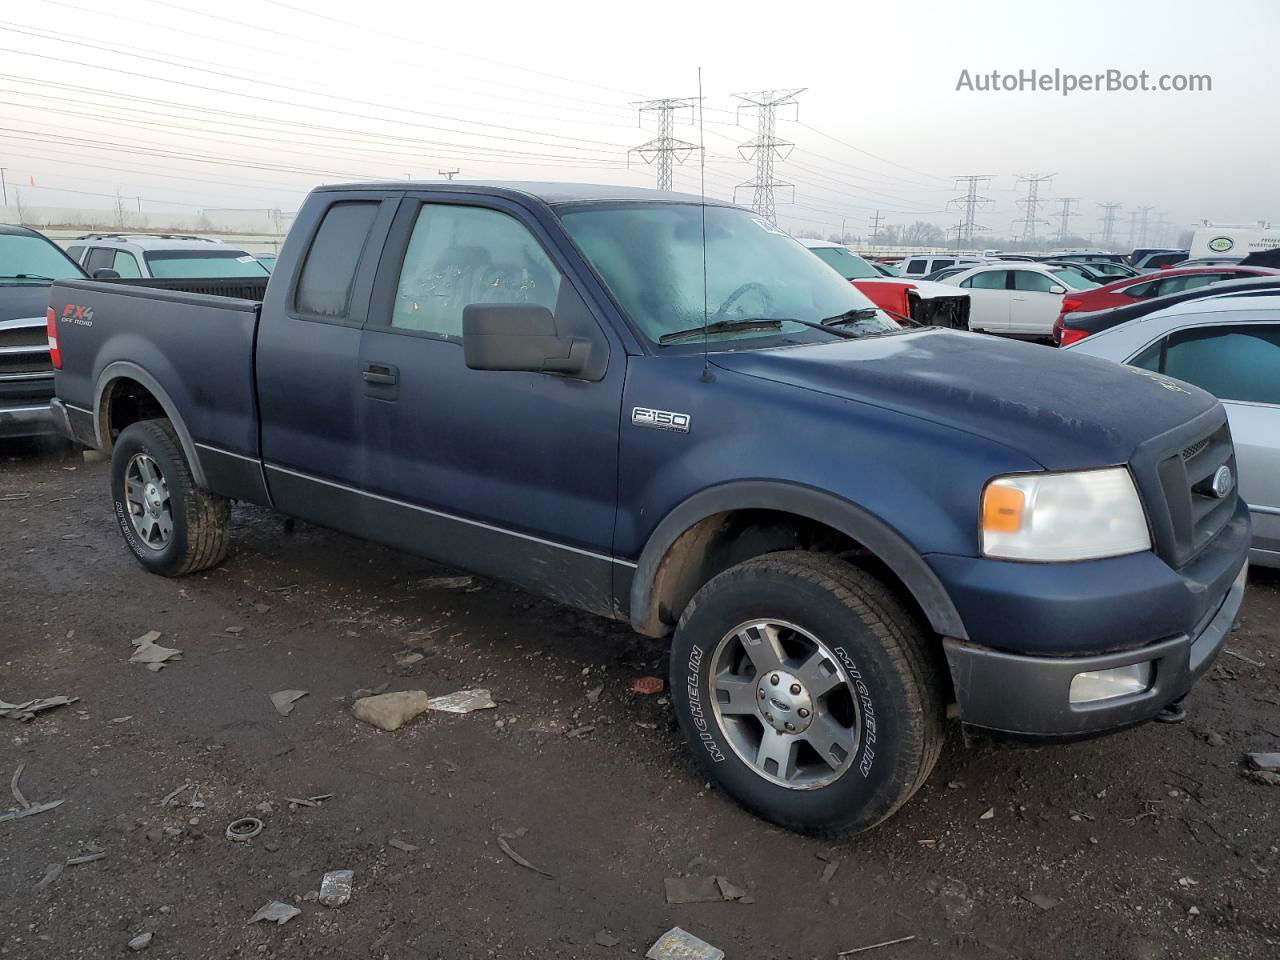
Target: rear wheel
{"type": "Point", "coordinates": [809, 694]}
{"type": "Point", "coordinates": [172, 526]}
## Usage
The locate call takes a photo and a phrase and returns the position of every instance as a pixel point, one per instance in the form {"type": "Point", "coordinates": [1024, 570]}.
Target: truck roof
{"type": "Point", "coordinates": [549, 193]}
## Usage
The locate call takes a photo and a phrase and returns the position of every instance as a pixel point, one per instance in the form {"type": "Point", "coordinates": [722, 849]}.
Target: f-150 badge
{"type": "Point", "coordinates": [660, 419]}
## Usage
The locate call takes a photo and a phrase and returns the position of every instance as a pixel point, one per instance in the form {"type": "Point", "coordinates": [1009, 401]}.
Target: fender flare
{"type": "Point", "coordinates": [878, 537]}
{"type": "Point", "coordinates": [122, 369]}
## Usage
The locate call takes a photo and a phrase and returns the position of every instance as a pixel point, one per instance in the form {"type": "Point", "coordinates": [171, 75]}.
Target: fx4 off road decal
{"type": "Point", "coordinates": [77, 313]}
{"type": "Point", "coordinates": [700, 722]}
{"type": "Point", "coordinates": [868, 712]}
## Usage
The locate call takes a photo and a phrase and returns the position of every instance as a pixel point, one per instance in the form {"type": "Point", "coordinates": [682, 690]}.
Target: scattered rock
{"type": "Point", "coordinates": [402, 845]}
{"type": "Point", "coordinates": [409, 658]}
{"type": "Point", "coordinates": [606, 939]}
{"type": "Point", "coordinates": [147, 651]}
{"type": "Point", "coordinates": [703, 890]}
{"type": "Point", "coordinates": [141, 942]}
{"type": "Point", "coordinates": [593, 695]}
{"type": "Point", "coordinates": [1041, 900]}
{"type": "Point", "coordinates": [1265, 761]}
{"type": "Point", "coordinates": [990, 813]}
{"type": "Point", "coordinates": [1269, 777]}
{"type": "Point", "coordinates": [391, 711]}
{"type": "Point", "coordinates": [335, 888]}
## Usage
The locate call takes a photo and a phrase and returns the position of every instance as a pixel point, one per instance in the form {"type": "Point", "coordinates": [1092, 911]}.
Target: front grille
{"type": "Point", "coordinates": [1197, 515]}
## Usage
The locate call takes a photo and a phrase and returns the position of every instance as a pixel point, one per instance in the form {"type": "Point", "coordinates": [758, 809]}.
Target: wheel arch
{"type": "Point", "coordinates": [680, 555]}
{"type": "Point", "coordinates": [113, 384]}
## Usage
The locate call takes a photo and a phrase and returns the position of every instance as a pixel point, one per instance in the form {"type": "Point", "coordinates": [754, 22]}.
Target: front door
{"type": "Point", "coordinates": [506, 473]}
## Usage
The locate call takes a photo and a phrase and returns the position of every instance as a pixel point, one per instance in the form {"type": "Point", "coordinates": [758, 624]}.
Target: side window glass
{"type": "Point", "coordinates": [1233, 363]}
{"type": "Point", "coordinates": [75, 253]}
{"type": "Point", "coordinates": [126, 264]}
{"type": "Point", "coordinates": [458, 256]}
{"type": "Point", "coordinates": [939, 264]}
{"type": "Point", "coordinates": [1031, 281]}
{"type": "Point", "coordinates": [324, 285]}
{"type": "Point", "coordinates": [1149, 359]}
{"type": "Point", "coordinates": [99, 257]}
{"type": "Point", "coordinates": [915, 267]}
{"type": "Point", "coordinates": [990, 280]}
{"type": "Point", "coordinates": [1139, 291]}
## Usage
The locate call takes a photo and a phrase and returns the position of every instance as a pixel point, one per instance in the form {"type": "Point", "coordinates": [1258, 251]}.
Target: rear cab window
{"type": "Point", "coordinates": [324, 283]}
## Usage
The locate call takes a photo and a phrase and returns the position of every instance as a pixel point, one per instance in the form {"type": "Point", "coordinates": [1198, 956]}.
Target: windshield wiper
{"type": "Point", "coordinates": [866, 313]}
{"type": "Point", "coordinates": [752, 323]}
{"type": "Point", "coordinates": [28, 276]}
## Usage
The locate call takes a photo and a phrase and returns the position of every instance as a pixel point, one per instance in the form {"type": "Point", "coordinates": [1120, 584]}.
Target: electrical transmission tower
{"type": "Point", "coordinates": [1030, 206]}
{"type": "Point", "coordinates": [970, 203]}
{"type": "Point", "coordinates": [1109, 210]}
{"type": "Point", "coordinates": [1064, 215]}
{"type": "Point", "coordinates": [766, 147]}
{"type": "Point", "coordinates": [449, 174]}
{"type": "Point", "coordinates": [1144, 225]}
{"type": "Point", "coordinates": [664, 150]}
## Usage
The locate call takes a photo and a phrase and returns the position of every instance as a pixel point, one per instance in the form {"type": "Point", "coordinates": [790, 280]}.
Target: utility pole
{"type": "Point", "coordinates": [970, 203]}
{"type": "Point", "coordinates": [4, 190]}
{"type": "Point", "coordinates": [119, 210]}
{"type": "Point", "coordinates": [1109, 210]}
{"type": "Point", "coordinates": [1030, 206]}
{"type": "Point", "coordinates": [1064, 215]}
{"type": "Point", "coordinates": [875, 226]}
{"type": "Point", "coordinates": [449, 174]}
{"type": "Point", "coordinates": [766, 147]}
{"type": "Point", "coordinates": [664, 150]}
{"type": "Point", "coordinates": [1133, 229]}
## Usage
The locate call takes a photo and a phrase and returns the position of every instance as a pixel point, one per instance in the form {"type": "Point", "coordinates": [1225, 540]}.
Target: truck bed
{"type": "Point", "coordinates": [187, 345]}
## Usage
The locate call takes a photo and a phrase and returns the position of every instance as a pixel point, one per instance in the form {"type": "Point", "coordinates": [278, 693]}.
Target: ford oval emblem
{"type": "Point", "coordinates": [1223, 482]}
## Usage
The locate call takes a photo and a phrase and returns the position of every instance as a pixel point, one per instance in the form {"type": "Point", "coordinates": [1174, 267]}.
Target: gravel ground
{"type": "Point", "coordinates": [1151, 843]}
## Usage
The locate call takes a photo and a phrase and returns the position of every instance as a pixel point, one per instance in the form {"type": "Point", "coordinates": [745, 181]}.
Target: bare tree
{"type": "Point", "coordinates": [922, 233]}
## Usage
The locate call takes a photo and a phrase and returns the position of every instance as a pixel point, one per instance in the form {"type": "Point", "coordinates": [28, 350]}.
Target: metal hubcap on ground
{"type": "Point", "coordinates": [785, 704]}
{"type": "Point", "coordinates": [147, 494]}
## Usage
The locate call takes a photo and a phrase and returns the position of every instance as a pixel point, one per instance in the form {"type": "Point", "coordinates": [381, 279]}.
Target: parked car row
{"type": "Point", "coordinates": [144, 256]}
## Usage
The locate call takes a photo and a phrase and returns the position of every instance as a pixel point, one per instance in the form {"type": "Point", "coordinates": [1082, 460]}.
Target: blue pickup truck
{"type": "Point", "coordinates": [671, 413]}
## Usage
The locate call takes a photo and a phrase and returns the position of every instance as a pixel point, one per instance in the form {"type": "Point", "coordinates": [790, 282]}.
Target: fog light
{"type": "Point", "coordinates": [1106, 684]}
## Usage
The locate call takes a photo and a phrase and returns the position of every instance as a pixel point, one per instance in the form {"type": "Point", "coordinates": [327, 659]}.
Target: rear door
{"type": "Point", "coordinates": [1033, 304]}
{"type": "Point", "coordinates": [988, 300]}
{"type": "Point", "coordinates": [507, 473]}
{"type": "Point", "coordinates": [310, 389]}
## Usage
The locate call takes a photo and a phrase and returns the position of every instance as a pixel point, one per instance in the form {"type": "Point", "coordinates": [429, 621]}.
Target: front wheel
{"type": "Point", "coordinates": [808, 693]}
{"type": "Point", "coordinates": [171, 525]}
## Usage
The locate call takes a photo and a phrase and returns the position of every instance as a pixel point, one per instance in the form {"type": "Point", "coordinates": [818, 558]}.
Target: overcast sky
{"type": "Point", "coordinates": [248, 103]}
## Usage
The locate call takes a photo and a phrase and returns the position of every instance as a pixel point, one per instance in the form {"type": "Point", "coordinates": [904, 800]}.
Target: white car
{"type": "Point", "coordinates": [1230, 346]}
{"type": "Point", "coordinates": [920, 265]}
{"type": "Point", "coordinates": [1017, 298]}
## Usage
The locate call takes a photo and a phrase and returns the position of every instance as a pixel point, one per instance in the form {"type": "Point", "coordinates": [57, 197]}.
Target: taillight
{"type": "Point", "coordinates": [1070, 336]}
{"type": "Point", "coordinates": [1070, 303]}
{"type": "Point", "coordinates": [51, 325]}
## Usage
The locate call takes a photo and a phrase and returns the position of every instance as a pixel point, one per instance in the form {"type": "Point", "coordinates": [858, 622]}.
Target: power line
{"type": "Point", "coordinates": [1030, 205]}
{"type": "Point", "coordinates": [766, 147]}
{"type": "Point", "coordinates": [664, 150]}
{"type": "Point", "coordinates": [970, 203]}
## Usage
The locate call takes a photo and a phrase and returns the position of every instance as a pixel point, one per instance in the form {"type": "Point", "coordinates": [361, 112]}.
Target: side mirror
{"type": "Point", "coordinates": [105, 273]}
{"type": "Point", "coordinates": [1057, 288]}
{"type": "Point", "coordinates": [519, 336]}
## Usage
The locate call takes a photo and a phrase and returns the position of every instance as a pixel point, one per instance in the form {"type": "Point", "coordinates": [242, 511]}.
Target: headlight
{"type": "Point", "coordinates": [1063, 516]}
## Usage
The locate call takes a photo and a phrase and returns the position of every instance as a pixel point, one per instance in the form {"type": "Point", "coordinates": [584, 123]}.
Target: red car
{"type": "Point", "coordinates": [1148, 285]}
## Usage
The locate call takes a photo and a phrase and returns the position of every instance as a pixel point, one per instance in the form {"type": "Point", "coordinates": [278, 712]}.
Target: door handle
{"type": "Point", "coordinates": [380, 373]}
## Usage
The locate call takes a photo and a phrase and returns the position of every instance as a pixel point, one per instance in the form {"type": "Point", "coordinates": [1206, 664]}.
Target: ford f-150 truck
{"type": "Point", "coordinates": [673, 414]}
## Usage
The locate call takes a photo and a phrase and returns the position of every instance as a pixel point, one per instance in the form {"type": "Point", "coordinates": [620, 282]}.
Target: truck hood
{"type": "Point", "coordinates": [1064, 410]}
{"type": "Point", "coordinates": [23, 301]}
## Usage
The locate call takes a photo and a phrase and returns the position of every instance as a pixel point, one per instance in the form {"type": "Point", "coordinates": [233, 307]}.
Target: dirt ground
{"type": "Point", "coordinates": [1147, 844]}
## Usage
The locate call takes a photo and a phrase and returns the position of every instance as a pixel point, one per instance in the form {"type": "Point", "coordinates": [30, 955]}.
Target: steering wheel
{"type": "Point", "coordinates": [746, 288]}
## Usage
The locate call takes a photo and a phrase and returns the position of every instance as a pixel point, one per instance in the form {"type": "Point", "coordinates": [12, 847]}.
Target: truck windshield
{"type": "Point", "coordinates": [27, 259]}
{"type": "Point", "coordinates": [204, 263]}
{"type": "Point", "coordinates": [846, 263]}
{"type": "Point", "coordinates": [650, 256]}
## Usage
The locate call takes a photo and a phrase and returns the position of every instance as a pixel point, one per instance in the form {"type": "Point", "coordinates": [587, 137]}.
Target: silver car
{"type": "Point", "coordinates": [1230, 346]}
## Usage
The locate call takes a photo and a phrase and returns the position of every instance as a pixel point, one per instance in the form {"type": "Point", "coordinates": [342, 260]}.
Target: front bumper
{"type": "Point", "coordinates": [27, 420]}
{"type": "Point", "coordinates": [1029, 696]}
